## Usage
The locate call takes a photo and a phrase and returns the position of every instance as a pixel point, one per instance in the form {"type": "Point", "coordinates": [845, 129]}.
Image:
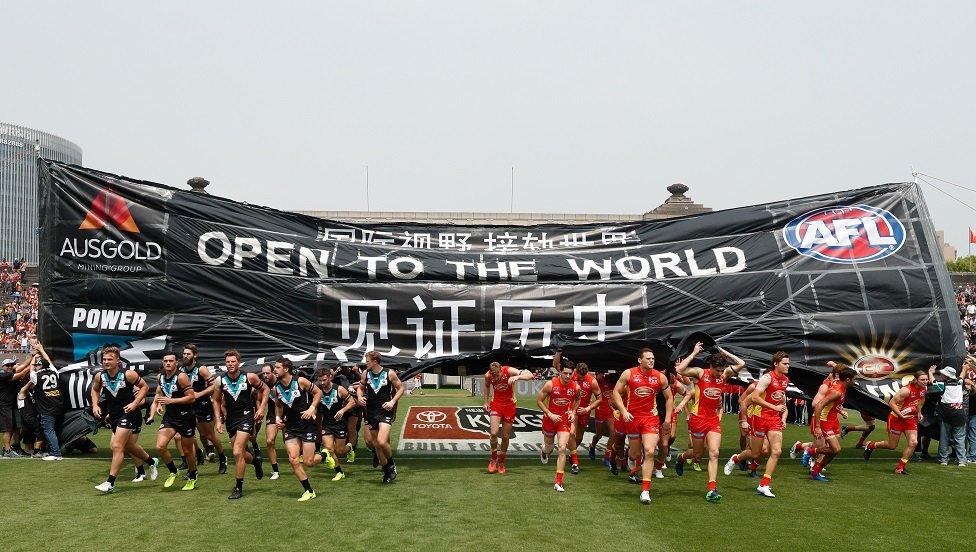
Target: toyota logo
{"type": "Point", "coordinates": [431, 416]}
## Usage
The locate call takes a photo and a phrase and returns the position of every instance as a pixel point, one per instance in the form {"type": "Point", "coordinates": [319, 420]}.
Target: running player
{"type": "Point", "coordinates": [349, 378]}
{"type": "Point", "coordinates": [826, 425]}
{"type": "Point", "coordinates": [296, 402]}
{"type": "Point", "coordinates": [906, 412]}
{"type": "Point", "coordinates": [201, 378]}
{"type": "Point", "coordinates": [809, 449]}
{"type": "Point", "coordinates": [379, 391]}
{"type": "Point", "coordinates": [499, 395]}
{"type": "Point", "coordinates": [271, 428]}
{"type": "Point", "coordinates": [125, 394]}
{"type": "Point", "coordinates": [174, 397]}
{"type": "Point", "coordinates": [865, 429]}
{"type": "Point", "coordinates": [239, 403]}
{"type": "Point", "coordinates": [562, 395]}
{"type": "Point", "coordinates": [603, 418]}
{"type": "Point", "coordinates": [334, 404]}
{"type": "Point", "coordinates": [643, 383]}
{"type": "Point", "coordinates": [769, 397]}
{"type": "Point", "coordinates": [704, 414]}
{"type": "Point", "coordinates": [589, 389]}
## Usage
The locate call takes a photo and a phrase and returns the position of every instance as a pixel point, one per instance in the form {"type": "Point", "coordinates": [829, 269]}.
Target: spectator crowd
{"type": "Point", "coordinates": [18, 314]}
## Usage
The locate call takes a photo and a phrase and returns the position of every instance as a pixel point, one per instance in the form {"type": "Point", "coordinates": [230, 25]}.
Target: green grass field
{"type": "Point", "coordinates": [454, 504]}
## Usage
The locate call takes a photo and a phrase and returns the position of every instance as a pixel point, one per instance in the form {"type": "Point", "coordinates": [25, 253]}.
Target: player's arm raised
{"type": "Point", "coordinates": [737, 364]}
{"type": "Point", "coordinates": [684, 367]}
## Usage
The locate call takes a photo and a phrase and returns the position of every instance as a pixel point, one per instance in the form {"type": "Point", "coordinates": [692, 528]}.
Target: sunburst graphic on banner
{"type": "Point", "coordinates": [877, 357]}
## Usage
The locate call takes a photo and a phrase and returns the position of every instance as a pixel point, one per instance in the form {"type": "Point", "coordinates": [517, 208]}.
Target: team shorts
{"type": "Point", "coordinates": [8, 422]}
{"type": "Point", "coordinates": [186, 426]}
{"type": "Point", "coordinates": [131, 421]}
{"type": "Point", "coordinates": [603, 414]}
{"type": "Point", "coordinates": [643, 425]}
{"type": "Point", "coordinates": [550, 428]}
{"type": "Point", "coordinates": [302, 434]}
{"type": "Point", "coordinates": [374, 419]}
{"type": "Point", "coordinates": [619, 425]}
{"type": "Point", "coordinates": [901, 425]}
{"type": "Point", "coordinates": [583, 420]}
{"type": "Point", "coordinates": [699, 426]}
{"type": "Point", "coordinates": [504, 411]}
{"type": "Point", "coordinates": [830, 428]}
{"type": "Point", "coordinates": [761, 426]}
{"type": "Point", "coordinates": [335, 430]}
{"type": "Point", "coordinates": [203, 412]}
{"type": "Point", "coordinates": [245, 424]}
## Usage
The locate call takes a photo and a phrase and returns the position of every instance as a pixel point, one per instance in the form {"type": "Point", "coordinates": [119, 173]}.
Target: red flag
{"type": "Point", "coordinates": [972, 236]}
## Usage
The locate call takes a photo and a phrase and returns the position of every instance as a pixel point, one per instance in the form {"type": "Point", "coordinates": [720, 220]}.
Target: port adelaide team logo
{"type": "Point", "coordinates": [113, 235]}
{"type": "Point", "coordinates": [846, 234]}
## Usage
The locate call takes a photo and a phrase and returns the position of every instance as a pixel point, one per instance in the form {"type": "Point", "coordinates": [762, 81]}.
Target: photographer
{"type": "Point", "coordinates": [952, 409]}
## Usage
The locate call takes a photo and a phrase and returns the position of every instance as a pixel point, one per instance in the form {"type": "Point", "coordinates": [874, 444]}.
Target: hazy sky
{"type": "Point", "coordinates": [598, 105]}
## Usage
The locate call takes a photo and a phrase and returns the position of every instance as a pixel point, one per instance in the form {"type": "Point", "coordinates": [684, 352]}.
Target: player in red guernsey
{"type": "Point", "coordinates": [589, 389]}
{"type": "Point", "coordinates": [562, 395]}
{"type": "Point", "coordinates": [499, 394]}
{"type": "Point", "coordinates": [906, 412]}
{"type": "Point", "coordinates": [809, 449]}
{"type": "Point", "coordinates": [826, 425]}
{"type": "Point", "coordinates": [643, 383]}
{"type": "Point", "coordinates": [770, 398]}
{"type": "Point", "coordinates": [603, 418]}
{"type": "Point", "coordinates": [704, 414]}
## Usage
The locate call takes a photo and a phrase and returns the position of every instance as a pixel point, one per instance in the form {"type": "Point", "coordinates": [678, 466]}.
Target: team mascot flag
{"type": "Point", "coordinates": [854, 276]}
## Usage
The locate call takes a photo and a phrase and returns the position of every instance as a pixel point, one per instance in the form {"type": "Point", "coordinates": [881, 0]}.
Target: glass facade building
{"type": "Point", "coordinates": [19, 149]}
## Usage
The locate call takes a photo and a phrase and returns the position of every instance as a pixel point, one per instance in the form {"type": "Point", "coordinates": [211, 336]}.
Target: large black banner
{"type": "Point", "coordinates": [853, 276]}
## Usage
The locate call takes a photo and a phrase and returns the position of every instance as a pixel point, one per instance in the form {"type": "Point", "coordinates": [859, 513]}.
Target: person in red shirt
{"type": "Point", "coordinates": [826, 425]}
{"type": "Point", "coordinates": [643, 383]}
{"type": "Point", "coordinates": [604, 419]}
{"type": "Point", "coordinates": [589, 389]}
{"type": "Point", "coordinates": [704, 414]}
{"type": "Point", "coordinates": [499, 394]}
{"type": "Point", "coordinates": [769, 399]}
{"type": "Point", "coordinates": [906, 412]}
{"type": "Point", "coordinates": [810, 448]}
{"type": "Point", "coordinates": [562, 395]}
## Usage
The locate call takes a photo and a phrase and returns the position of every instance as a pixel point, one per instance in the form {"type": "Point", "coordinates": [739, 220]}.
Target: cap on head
{"type": "Point", "coordinates": [949, 372]}
{"type": "Point", "coordinates": [8, 362]}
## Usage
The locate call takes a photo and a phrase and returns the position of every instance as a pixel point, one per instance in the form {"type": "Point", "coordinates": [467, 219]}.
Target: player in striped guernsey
{"type": "Point", "coordinates": [335, 403]}
{"type": "Point", "coordinates": [296, 403]}
{"type": "Point", "coordinates": [378, 393]}
{"type": "Point", "coordinates": [239, 404]}
{"type": "Point", "coordinates": [704, 412]}
{"type": "Point", "coordinates": [125, 393]}
{"type": "Point", "coordinates": [174, 397]}
{"type": "Point", "coordinates": [906, 412]}
{"type": "Point", "coordinates": [201, 379]}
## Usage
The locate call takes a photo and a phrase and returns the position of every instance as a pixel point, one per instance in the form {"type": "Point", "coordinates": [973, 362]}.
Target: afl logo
{"type": "Point", "coordinates": [875, 366]}
{"type": "Point", "coordinates": [713, 393]}
{"type": "Point", "coordinates": [779, 396]}
{"type": "Point", "coordinates": [846, 234]}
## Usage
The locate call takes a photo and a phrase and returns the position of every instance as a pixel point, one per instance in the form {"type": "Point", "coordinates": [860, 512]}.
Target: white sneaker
{"type": "Point", "coordinates": [658, 474]}
{"type": "Point", "coordinates": [105, 487]}
{"type": "Point", "coordinates": [962, 464]}
{"type": "Point", "coordinates": [543, 457]}
{"type": "Point", "coordinates": [765, 491]}
{"type": "Point", "coordinates": [559, 488]}
{"type": "Point", "coordinates": [794, 449]}
{"type": "Point", "coordinates": [729, 466]}
{"type": "Point", "coordinates": [51, 458]}
{"type": "Point", "coordinates": [944, 463]}
{"type": "Point", "coordinates": [154, 469]}
{"type": "Point", "coordinates": [274, 475]}
{"type": "Point", "coordinates": [139, 478]}
{"type": "Point", "coordinates": [645, 497]}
